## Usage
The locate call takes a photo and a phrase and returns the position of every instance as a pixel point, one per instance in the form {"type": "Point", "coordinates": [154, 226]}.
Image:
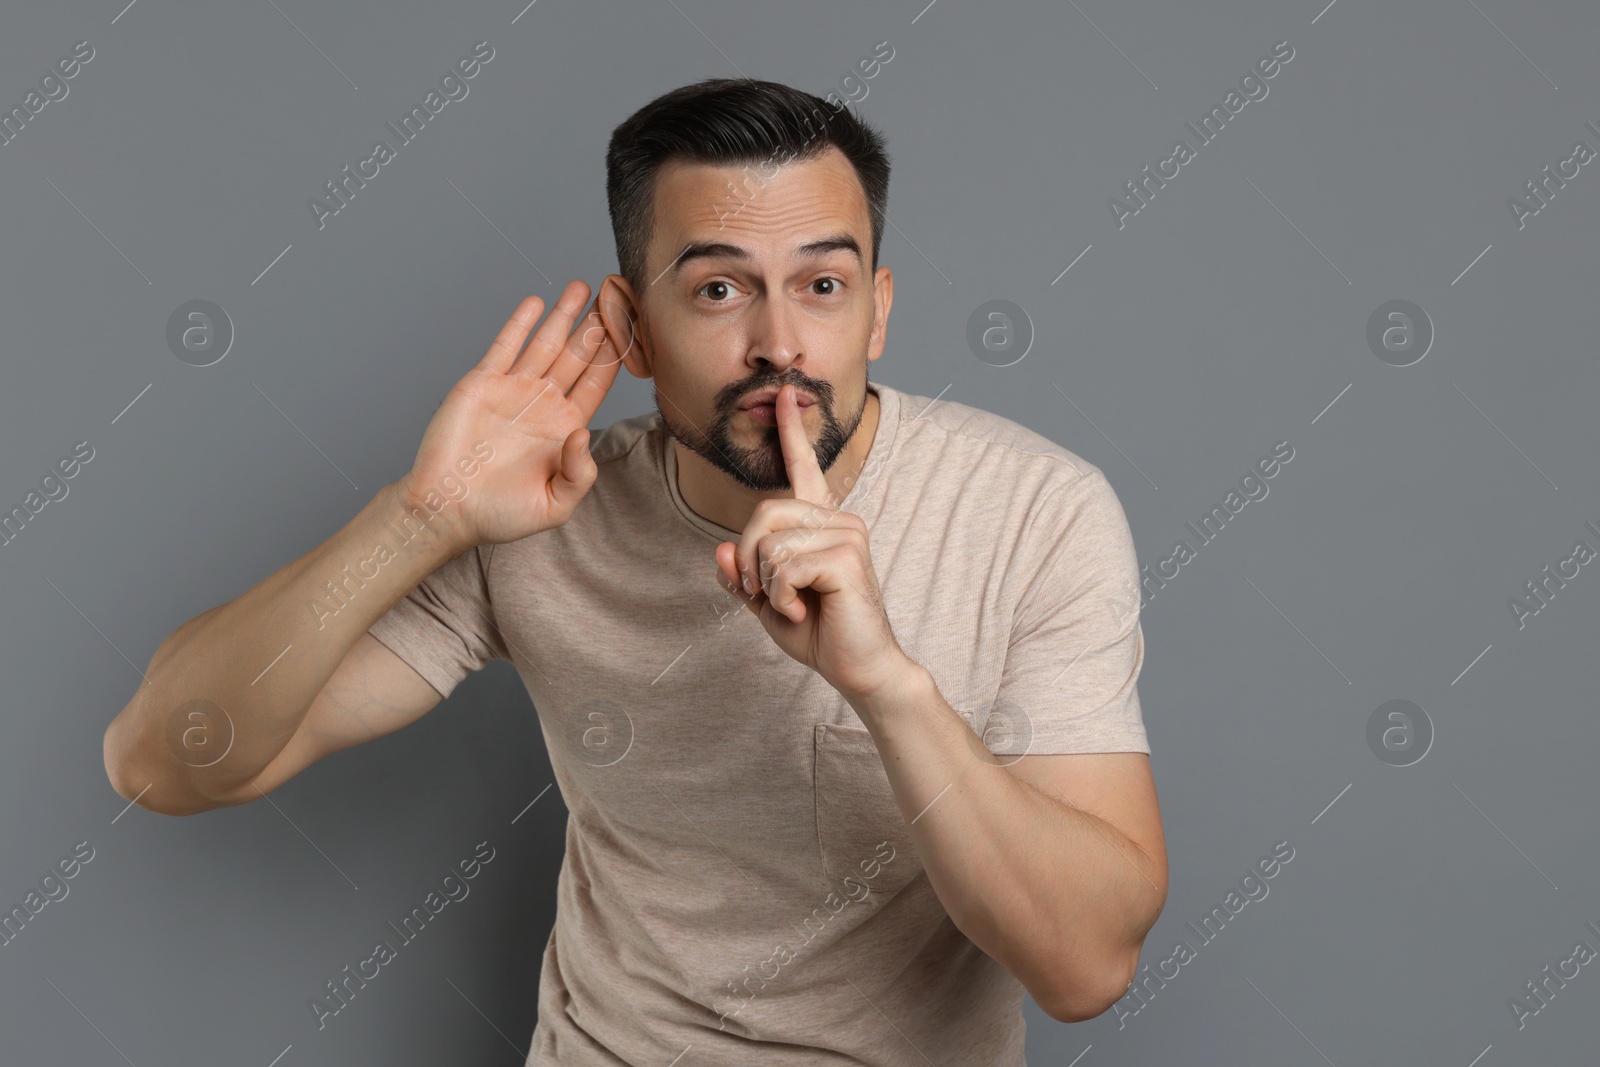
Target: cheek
{"type": "Point", "coordinates": [836, 342]}
{"type": "Point", "coordinates": [706, 349]}
{"type": "Point", "coordinates": [687, 374]}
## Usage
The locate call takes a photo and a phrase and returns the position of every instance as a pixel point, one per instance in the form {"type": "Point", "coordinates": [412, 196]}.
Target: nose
{"type": "Point", "coordinates": [775, 340]}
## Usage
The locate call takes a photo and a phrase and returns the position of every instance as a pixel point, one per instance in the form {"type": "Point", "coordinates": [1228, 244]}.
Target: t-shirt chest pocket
{"type": "Point", "coordinates": [861, 832]}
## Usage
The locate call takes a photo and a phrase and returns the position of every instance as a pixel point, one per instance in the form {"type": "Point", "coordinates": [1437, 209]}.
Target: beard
{"type": "Point", "coordinates": [761, 467]}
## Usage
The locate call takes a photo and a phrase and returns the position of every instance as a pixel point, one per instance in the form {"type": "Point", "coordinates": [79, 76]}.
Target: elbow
{"type": "Point", "coordinates": [118, 770]}
{"type": "Point", "coordinates": [1082, 1001]}
{"type": "Point", "coordinates": [1077, 1009]}
{"type": "Point", "coordinates": [111, 750]}
{"type": "Point", "coordinates": [134, 784]}
{"type": "Point", "coordinates": [1090, 993]}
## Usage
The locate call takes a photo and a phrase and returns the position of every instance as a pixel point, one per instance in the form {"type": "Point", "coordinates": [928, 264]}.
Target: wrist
{"type": "Point", "coordinates": [404, 494]}
{"type": "Point", "coordinates": [426, 516]}
{"type": "Point", "coordinates": [906, 686]}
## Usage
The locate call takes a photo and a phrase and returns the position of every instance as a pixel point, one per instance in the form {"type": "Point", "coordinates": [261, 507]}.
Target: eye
{"type": "Point", "coordinates": [835, 286]}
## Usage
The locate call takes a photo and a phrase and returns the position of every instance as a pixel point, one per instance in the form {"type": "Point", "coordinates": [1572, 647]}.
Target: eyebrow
{"type": "Point", "coordinates": [722, 250]}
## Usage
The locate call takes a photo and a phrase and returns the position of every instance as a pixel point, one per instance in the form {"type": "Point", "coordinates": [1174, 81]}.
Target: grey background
{"type": "Point", "coordinates": [1228, 315]}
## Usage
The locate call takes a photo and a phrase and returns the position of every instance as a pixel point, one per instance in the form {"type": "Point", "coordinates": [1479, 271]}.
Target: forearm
{"type": "Point", "coordinates": [1058, 897]}
{"type": "Point", "coordinates": [240, 677]}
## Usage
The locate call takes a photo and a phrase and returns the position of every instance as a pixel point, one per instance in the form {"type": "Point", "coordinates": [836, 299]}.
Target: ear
{"type": "Point", "coordinates": [620, 314]}
{"type": "Point", "coordinates": [882, 300]}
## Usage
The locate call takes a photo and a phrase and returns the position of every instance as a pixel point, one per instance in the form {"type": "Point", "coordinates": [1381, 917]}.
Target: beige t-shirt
{"type": "Point", "coordinates": [739, 880]}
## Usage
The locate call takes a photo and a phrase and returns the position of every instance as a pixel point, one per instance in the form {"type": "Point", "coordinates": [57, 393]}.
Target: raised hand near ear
{"type": "Point", "coordinates": [528, 413]}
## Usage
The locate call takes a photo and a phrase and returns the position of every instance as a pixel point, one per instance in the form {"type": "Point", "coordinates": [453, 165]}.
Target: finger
{"type": "Point", "coordinates": [799, 457]}
{"type": "Point", "coordinates": [582, 347]}
{"type": "Point", "coordinates": [512, 336]}
{"type": "Point", "coordinates": [577, 473]}
{"type": "Point", "coordinates": [593, 384]}
{"type": "Point", "coordinates": [772, 515]}
{"type": "Point", "coordinates": [781, 546]}
{"type": "Point", "coordinates": [783, 576]}
{"type": "Point", "coordinates": [822, 572]}
{"type": "Point", "coordinates": [728, 576]}
{"type": "Point", "coordinates": [552, 334]}
{"type": "Point", "coordinates": [846, 575]}
{"type": "Point", "coordinates": [728, 567]}
{"type": "Point", "coordinates": [604, 363]}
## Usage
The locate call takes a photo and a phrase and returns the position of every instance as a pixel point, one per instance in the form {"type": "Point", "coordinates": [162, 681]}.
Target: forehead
{"type": "Point", "coordinates": [761, 204]}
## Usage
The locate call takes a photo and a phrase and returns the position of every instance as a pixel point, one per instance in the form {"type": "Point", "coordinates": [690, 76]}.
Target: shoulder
{"type": "Point", "coordinates": [622, 438]}
{"type": "Point", "coordinates": [1010, 489]}
{"type": "Point", "coordinates": [990, 452]}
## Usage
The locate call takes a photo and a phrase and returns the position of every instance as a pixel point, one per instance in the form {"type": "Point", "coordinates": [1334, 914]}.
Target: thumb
{"type": "Point", "coordinates": [578, 470]}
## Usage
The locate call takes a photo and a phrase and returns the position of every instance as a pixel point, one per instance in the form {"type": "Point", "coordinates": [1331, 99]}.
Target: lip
{"type": "Point", "coordinates": [769, 398]}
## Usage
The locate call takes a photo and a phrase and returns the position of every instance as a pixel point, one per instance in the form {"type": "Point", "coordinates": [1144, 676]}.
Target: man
{"type": "Point", "coordinates": [838, 682]}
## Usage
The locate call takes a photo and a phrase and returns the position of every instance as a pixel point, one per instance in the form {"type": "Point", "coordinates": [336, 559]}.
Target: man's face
{"type": "Point", "coordinates": [719, 327]}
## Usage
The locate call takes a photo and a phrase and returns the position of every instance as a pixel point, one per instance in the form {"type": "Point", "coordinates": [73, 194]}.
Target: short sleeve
{"type": "Point", "coordinates": [444, 629]}
{"type": "Point", "coordinates": [1076, 647]}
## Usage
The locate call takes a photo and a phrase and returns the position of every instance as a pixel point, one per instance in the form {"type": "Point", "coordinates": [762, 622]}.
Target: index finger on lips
{"type": "Point", "coordinates": [799, 458]}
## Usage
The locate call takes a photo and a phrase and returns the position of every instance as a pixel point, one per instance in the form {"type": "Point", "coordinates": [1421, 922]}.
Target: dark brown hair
{"type": "Point", "coordinates": [726, 121]}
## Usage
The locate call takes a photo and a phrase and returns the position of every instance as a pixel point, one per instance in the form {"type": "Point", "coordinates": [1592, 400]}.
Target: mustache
{"type": "Point", "coordinates": [728, 399]}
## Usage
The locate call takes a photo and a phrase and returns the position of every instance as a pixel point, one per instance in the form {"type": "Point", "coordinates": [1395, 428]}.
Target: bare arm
{"type": "Point", "coordinates": [241, 698]}
{"type": "Point", "coordinates": [216, 710]}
